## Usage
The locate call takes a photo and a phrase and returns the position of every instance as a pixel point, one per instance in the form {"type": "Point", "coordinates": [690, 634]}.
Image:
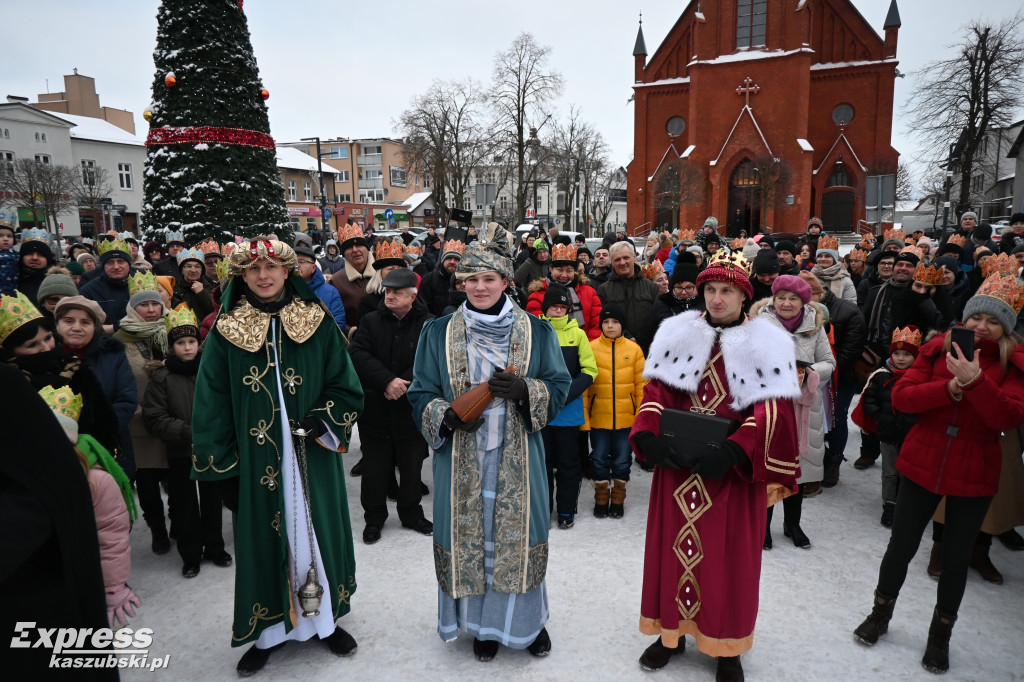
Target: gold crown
{"type": "Point", "coordinates": [346, 232]}
{"type": "Point", "coordinates": [895, 233]}
{"type": "Point", "coordinates": [142, 281]}
{"type": "Point", "coordinates": [210, 247]}
{"type": "Point", "coordinates": [826, 242]}
{"type": "Point", "coordinates": [731, 261]}
{"type": "Point", "coordinates": [914, 250]}
{"type": "Point", "coordinates": [930, 275]}
{"type": "Point", "coordinates": [223, 270]}
{"type": "Point", "coordinates": [909, 334]}
{"type": "Point", "coordinates": [453, 245]}
{"type": "Point", "coordinates": [411, 250]}
{"type": "Point", "coordinates": [565, 252]}
{"type": "Point", "coordinates": [653, 269]}
{"type": "Point", "coordinates": [62, 400]}
{"type": "Point", "coordinates": [957, 239]}
{"type": "Point", "coordinates": [687, 235]}
{"type": "Point", "coordinates": [1004, 288]}
{"type": "Point", "coordinates": [738, 243]}
{"type": "Point", "coordinates": [182, 316]}
{"type": "Point", "coordinates": [1003, 264]}
{"type": "Point", "coordinates": [15, 311]}
{"type": "Point", "coordinates": [385, 250]}
{"type": "Point", "coordinates": [250, 252]}
{"type": "Point", "coordinates": [114, 245]}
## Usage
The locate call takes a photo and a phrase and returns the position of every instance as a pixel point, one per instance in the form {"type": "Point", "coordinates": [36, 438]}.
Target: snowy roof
{"type": "Point", "coordinates": [289, 157]}
{"type": "Point", "coordinates": [745, 55]}
{"type": "Point", "coordinates": [906, 206]}
{"type": "Point", "coordinates": [88, 128]}
{"type": "Point", "coordinates": [804, 144]}
{"type": "Point", "coordinates": [665, 81]}
{"type": "Point", "coordinates": [842, 65]}
{"type": "Point", "coordinates": [415, 200]}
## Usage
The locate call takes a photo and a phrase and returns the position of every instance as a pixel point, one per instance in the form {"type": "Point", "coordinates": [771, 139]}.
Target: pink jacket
{"type": "Point", "coordinates": [112, 526]}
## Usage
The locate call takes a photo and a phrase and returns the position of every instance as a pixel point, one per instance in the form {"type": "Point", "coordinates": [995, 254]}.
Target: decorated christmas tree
{"type": "Point", "coordinates": [211, 171]}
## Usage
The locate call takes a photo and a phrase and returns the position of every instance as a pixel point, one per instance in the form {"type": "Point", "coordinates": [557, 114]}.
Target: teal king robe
{"type": "Point", "coordinates": [237, 431]}
{"type": "Point", "coordinates": [522, 510]}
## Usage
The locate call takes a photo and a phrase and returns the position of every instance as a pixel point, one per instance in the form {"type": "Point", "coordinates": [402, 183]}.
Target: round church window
{"type": "Point", "coordinates": [842, 114]}
{"type": "Point", "coordinates": [676, 125]}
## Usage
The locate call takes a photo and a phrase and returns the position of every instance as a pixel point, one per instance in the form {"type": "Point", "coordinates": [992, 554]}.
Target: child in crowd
{"type": "Point", "coordinates": [611, 404]}
{"type": "Point", "coordinates": [561, 435]}
{"type": "Point", "coordinates": [877, 415]}
{"type": "Point", "coordinates": [113, 504]}
{"type": "Point", "coordinates": [167, 415]}
{"type": "Point", "coordinates": [8, 260]}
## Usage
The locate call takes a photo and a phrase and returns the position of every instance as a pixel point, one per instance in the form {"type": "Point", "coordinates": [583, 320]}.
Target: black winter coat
{"type": "Point", "coordinates": [893, 426]}
{"type": "Point", "coordinates": [434, 290]}
{"type": "Point", "coordinates": [167, 406]}
{"type": "Point", "coordinates": [384, 348]}
{"type": "Point", "coordinates": [850, 334]}
{"type": "Point", "coordinates": [112, 295]}
{"type": "Point", "coordinates": [665, 307]}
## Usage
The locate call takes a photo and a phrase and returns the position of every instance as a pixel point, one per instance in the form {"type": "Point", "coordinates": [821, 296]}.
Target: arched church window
{"type": "Point", "coordinates": [751, 23]}
{"type": "Point", "coordinates": [839, 177]}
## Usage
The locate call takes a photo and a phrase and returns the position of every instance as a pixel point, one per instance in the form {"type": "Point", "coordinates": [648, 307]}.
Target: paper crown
{"type": "Point", "coordinates": [346, 232]}
{"type": "Point", "coordinates": [826, 242]}
{"type": "Point", "coordinates": [411, 250]}
{"type": "Point", "coordinates": [859, 255]}
{"type": "Point", "coordinates": [453, 246]}
{"type": "Point", "coordinates": [1003, 264]}
{"type": "Point", "coordinates": [687, 235]}
{"type": "Point", "coordinates": [930, 275]}
{"type": "Point", "coordinates": [15, 311]}
{"type": "Point", "coordinates": [387, 250]}
{"type": "Point", "coordinates": [190, 254]}
{"type": "Point", "coordinates": [223, 270]}
{"type": "Point", "coordinates": [176, 237]}
{"type": "Point", "coordinates": [563, 252]}
{"type": "Point", "coordinates": [653, 269]}
{"type": "Point", "coordinates": [34, 234]}
{"type": "Point", "coordinates": [1005, 289]}
{"type": "Point", "coordinates": [7, 222]}
{"type": "Point", "coordinates": [182, 316]}
{"type": "Point", "coordinates": [956, 239]}
{"type": "Point", "coordinates": [210, 247]}
{"type": "Point", "coordinates": [738, 243]}
{"type": "Point", "coordinates": [127, 236]}
{"type": "Point", "coordinates": [914, 250]}
{"type": "Point", "coordinates": [250, 252]}
{"type": "Point", "coordinates": [228, 249]}
{"type": "Point", "coordinates": [114, 245]}
{"type": "Point", "coordinates": [909, 335]}
{"type": "Point", "coordinates": [62, 400]}
{"type": "Point", "coordinates": [896, 234]}
{"type": "Point", "coordinates": [917, 234]}
{"type": "Point", "coordinates": [142, 281]}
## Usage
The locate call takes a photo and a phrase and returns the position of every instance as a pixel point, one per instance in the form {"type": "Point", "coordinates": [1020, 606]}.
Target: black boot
{"type": "Point", "coordinates": [792, 506]}
{"type": "Point", "coordinates": [340, 642]}
{"type": "Point", "coordinates": [656, 656]}
{"type": "Point", "coordinates": [1012, 540]}
{"type": "Point", "coordinates": [729, 669]}
{"type": "Point", "coordinates": [936, 653]}
{"type": "Point", "coordinates": [484, 651]}
{"type": "Point", "coordinates": [888, 511]}
{"type": "Point", "coordinates": [877, 622]}
{"type": "Point", "coordinates": [253, 660]}
{"type": "Point", "coordinates": [161, 543]}
{"type": "Point", "coordinates": [542, 645]}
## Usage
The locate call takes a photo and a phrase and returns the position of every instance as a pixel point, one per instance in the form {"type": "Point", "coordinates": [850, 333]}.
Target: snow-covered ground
{"type": "Point", "coordinates": [811, 600]}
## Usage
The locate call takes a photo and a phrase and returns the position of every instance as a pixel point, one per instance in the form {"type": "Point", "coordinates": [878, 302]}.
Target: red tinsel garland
{"type": "Point", "coordinates": [200, 134]}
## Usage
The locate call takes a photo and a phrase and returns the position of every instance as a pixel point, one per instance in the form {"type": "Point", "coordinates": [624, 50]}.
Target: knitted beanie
{"type": "Point", "coordinates": [786, 245]}
{"type": "Point", "coordinates": [56, 284]}
{"type": "Point", "coordinates": [766, 262]}
{"type": "Point", "coordinates": [612, 311]}
{"type": "Point", "coordinates": [995, 307]}
{"type": "Point", "coordinates": [556, 294]}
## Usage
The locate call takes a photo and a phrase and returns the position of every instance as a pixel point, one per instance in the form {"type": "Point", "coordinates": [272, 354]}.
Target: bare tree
{"type": "Point", "coordinates": [957, 100]}
{"type": "Point", "coordinates": [774, 180]}
{"type": "Point", "coordinates": [94, 188]}
{"type": "Point", "coordinates": [905, 189]}
{"type": "Point", "coordinates": [46, 189]}
{"type": "Point", "coordinates": [579, 156]}
{"type": "Point", "coordinates": [678, 182]}
{"type": "Point", "coordinates": [522, 89]}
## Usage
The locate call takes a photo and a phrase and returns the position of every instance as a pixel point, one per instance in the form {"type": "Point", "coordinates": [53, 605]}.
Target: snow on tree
{"type": "Point", "coordinates": [211, 169]}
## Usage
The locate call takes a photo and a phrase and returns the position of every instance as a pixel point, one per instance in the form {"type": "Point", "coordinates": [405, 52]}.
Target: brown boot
{"type": "Point", "coordinates": [935, 561]}
{"type": "Point", "coordinates": [983, 565]}
{"type": "Point", "coordinates": [601, 495]}
{"type": "Point", "coordinates": [618, 498]}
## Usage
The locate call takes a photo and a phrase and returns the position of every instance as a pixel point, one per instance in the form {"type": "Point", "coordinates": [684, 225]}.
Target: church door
{"type": "Point", "coordinates": [744, 200]}
{"type": "Point", "coordinates": [837, 210]}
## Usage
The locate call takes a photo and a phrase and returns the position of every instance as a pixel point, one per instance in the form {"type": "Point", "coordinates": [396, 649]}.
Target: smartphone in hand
{"type": "Point", "coordinates": [964, 338]}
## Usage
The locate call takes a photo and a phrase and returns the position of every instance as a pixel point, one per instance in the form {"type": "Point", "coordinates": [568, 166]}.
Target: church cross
{"type": "Point", "coordinates": [747, 88]}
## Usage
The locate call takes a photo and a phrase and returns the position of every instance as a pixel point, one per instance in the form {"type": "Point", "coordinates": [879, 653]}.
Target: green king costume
{"type": "Point", "coordinates": [263, 364]}
{"type": "Point", "coordinates": [491, 507]}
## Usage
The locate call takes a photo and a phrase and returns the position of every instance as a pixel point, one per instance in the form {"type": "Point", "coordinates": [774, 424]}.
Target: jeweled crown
{"type": "Point", "coordinates": [826, 242]}
{"type": "Point", "coordinates": [175, 237]}
{"type": "Point", "coordinates": [563, 252]}
{"type": "Point", "coordinates": [1003, 264]}
{"type": "Point", "coordinates": [1004, 288]}
{"type": "Point", "coordinates": [34, 234]}
{"type": "Point", "coordinates": [730, 261]}
{"type": "Point", "coordinates": [910, 334]}
{"type": "Point", "coordinates": [385, 250]}
{"type": "Point", "coordinates": [114, 245]}
{"type": "Point", "coordinates": [142, 281]}
{"type": "Point", "coordinates": [182, 316]}
{"type": "Point", "coordinates": [62, 400]}
{"type": "Point", "coordinates": [930, 275]}
{"type": "Point", "coordinates": [15, 311]}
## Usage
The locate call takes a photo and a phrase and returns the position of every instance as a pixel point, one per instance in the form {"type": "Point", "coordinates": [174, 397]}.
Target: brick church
{"type": "Point", "coordinates": [762, 113]}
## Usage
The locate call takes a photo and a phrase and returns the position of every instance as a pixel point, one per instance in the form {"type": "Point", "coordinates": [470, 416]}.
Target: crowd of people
{"type": "Point", "coordinates": [217, 375]}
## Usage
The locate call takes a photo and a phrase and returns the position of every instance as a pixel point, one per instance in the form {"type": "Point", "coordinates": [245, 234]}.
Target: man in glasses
{"type": "Point", "coordinates": [681, 296]}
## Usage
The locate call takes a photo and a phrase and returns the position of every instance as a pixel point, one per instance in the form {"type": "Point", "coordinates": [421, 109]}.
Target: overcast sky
{"type": "Point", "coordinates": [350, 68]}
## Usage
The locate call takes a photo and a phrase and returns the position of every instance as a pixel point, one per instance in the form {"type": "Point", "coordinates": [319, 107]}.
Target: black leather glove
{"type": "Point", "coordinates": [229, 493]}
{"type": "Point", "coordinates": [656, 451]}
{"type": "Point", "coordinates": [453, 423]}
{"type": "Point", "coordinates": [717, 462]}
{"type": "Point", "coordinates": [313, 426]}
{"type": "Point", "coordinates": [508, 386]}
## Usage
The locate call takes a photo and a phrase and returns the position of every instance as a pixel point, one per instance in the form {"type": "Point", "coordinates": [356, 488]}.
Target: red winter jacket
{"type": "Point", "coordinates": [588, 299]}
{"type": "Point", "coordinates": [953, 449]}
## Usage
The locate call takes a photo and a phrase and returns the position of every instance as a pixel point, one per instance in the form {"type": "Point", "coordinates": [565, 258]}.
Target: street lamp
{"type": "Point", "coordinates": [325, 222]}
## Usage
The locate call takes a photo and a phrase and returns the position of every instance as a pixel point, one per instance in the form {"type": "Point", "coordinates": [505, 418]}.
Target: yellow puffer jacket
{"type": "Point", "coordinates": [612, 400]}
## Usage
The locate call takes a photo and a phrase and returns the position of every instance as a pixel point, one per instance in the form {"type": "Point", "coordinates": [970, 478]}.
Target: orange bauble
{"type": "Point", "coordinates": [265, 94]}
{"type": "Point", "coordinates": [170, 80]}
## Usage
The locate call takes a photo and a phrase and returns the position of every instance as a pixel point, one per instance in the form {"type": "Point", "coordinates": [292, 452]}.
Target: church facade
{"type": "Point", "coordinates": [762, 113]}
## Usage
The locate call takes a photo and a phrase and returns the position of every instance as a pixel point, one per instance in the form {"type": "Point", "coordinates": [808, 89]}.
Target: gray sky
{"type": "Point", "coordinates": [350, 68]}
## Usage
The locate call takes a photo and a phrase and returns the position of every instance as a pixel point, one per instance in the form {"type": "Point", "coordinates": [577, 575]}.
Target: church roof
{"type": "Point", "coordinates": [640, 48]}
{"type": "Point", "coordinates": [892, 19]}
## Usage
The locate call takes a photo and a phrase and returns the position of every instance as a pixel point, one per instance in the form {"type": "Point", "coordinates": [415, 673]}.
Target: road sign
{"type": "Point", "coordinates": [327, 213]}
{"type": "Point", "coordinates": [389, 215]}
{"type": "Point", "coordinates": [558, 221]}
{"type": "Point", "coordinates": [530, 213]}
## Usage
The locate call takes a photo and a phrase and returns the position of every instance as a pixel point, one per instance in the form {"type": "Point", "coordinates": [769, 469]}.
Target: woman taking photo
{"type": "Point", "coordinates": [791, 309]}
{"type": "Point", "coordinates": [953, 451]}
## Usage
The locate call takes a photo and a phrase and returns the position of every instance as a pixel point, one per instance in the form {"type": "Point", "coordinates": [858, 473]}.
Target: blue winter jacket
{"type": "Point", "coordinates": [106, 357]}
{"type": "Point", "coordinates": [330, 296]}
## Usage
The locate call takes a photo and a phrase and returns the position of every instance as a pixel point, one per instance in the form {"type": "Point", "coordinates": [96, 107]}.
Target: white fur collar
{"type": "Point", "coordinates": [760, 358]}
